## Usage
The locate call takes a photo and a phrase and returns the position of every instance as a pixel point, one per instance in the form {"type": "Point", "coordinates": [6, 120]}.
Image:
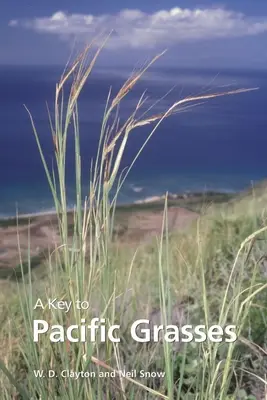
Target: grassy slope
{"type": "Point", "coordinates": [221, 229]}
{"type": "Point", "coordinates": [195, 202]}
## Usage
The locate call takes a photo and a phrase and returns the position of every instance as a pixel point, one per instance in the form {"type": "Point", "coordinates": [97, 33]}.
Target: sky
{"type": "Point", "coordinates": [195, 33]}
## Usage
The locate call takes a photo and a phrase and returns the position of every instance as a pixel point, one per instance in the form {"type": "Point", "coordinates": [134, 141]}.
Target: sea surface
{"type": "Point", "coordinates": [220, 144]}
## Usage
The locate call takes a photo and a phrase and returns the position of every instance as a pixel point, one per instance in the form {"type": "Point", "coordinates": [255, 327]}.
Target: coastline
{"type": "Point", "coordinates": [208, 195]}
{"type": "Point", "coordinates": [134, 222]}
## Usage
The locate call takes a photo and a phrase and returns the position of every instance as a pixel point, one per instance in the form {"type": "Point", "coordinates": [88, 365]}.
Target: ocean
{"type": "Point", "coordinates": [218, 145]}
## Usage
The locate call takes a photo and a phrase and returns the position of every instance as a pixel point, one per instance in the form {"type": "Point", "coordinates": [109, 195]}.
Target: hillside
{"type": "Point", "coordinates": [133, 223]}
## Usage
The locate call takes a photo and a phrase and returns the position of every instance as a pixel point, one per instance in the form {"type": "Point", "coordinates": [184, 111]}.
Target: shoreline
{"type": "Point", "coordinates": [146, 201]}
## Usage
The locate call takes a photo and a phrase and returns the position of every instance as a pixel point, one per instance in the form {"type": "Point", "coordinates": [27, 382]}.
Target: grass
{"type": "Point", "coordinates": [6, 223]}
{"type": "Point", "coordinates": [211, 274]}
{"type": "Point", "coordinates": [21, 269]}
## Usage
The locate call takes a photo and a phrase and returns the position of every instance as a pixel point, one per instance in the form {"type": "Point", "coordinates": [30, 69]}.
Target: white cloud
{"type": "Point", "coordinates": [13, 22]}
{"type": "Point", "coordinates": [136, 29]}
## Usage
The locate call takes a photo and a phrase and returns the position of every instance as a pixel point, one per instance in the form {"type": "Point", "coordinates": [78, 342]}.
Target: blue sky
{"type": "Point", "coordinates": [203, 33]}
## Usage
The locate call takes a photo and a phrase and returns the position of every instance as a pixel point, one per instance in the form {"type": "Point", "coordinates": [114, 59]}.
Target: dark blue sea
{"type": "Point", "coordinates": [217, 145]}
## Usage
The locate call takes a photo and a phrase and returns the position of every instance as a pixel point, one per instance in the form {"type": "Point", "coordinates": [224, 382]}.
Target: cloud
{"type": "Point", "coordinates": [136, 29]}
{"type": "Point", "coordinates": [13, 22]}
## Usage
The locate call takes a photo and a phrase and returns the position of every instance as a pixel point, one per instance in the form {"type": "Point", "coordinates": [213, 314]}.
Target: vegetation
{"type": "Point", "coordinates": [213, 273]}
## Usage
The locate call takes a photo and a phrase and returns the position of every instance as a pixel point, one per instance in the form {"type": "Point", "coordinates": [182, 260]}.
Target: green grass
{"type": "Point", "coordinates": [22, 269]}
{"type": "Point", "coordinates": [21, 221]}
{"type": "Point", "coordinates": [217, 265]}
